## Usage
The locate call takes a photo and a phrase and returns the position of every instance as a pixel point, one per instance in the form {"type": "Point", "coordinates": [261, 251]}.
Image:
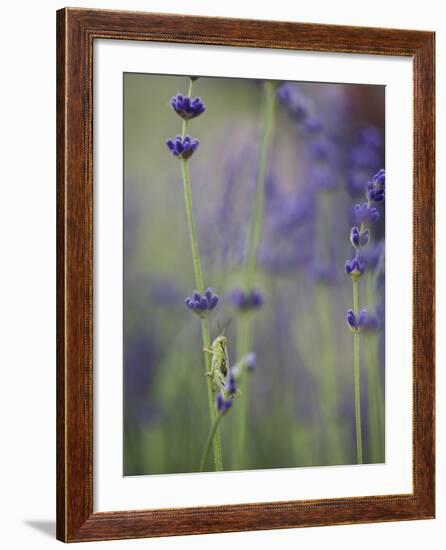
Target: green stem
{"type": "Point", "coordinates": [255, 226]}
{"type": "Point", "coordinates": [243, 347]}
{"type": "Point", "coordinates": [244, 330]}
{"type": "Point", "coordinates": [374, 385]}
{"type": "Point", "coordinates": [357, 378]}
{"type": "Point", "coordinates": [218, 460]}
{"type": "Point", "coordinates": [209, 440]}
{"type": "Point", "coordinates": [191, 227]}
{"type": "Point", "coordinates": [327, 378]}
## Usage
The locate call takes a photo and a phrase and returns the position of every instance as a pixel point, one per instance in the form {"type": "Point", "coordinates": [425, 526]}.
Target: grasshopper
{"type": "Point", "coordinates": [220, 372]}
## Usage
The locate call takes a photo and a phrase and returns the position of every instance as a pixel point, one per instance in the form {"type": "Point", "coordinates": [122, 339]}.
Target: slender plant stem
{"type": "Point", "coordinates": [331, 427]}
{"type": "Point", "coordinates": [243, 347]}
{"type": "Point", "coordinates": [244, 328]}
{"type": "Point", "coordinates": [255, 226]}
{"type": "Point", "coordinates": [375, 397]}
{"type": "Point", "coordinates": [212, 433]}
{"type": "Point", "coordinates": [191, 227]}
{"type": "Point", "coordinates": [357, 377]}
{"type": "Point", "coordinates": [218, 460]}
{"type": "Point", "coordinates": [327, 378]}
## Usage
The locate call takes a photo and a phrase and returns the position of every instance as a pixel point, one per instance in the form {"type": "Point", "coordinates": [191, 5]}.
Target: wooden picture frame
{"type": "Point", "coordinates": [76, 31]}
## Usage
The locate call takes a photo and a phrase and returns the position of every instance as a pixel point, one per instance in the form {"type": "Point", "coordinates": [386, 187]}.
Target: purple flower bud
{"type": "Point", "coordinates": [246, 301]}
{"type": "Point", "coordinates": [359, 238]}
{"type": "Point", "coordinates": [351, 320]}
{"type": "Point", "coordinates": [354, 236]}
{"type": "Point", "coordinates": [250, 361]}
{"type": "Point", "coordinates": [296, 103]}
{"type": "Point", "coordinates": [220, 402]}
{"type": "Point", "coordinates": [182, 148]}
{"type": "Point", "coordinates": [372, 137]}
{"type": "Point", "coordinates": [187, 108]}
{"type": "Point", "coordinates": [365, 214]}
{"type": "Point", "coordinates": [213, 302]}
{"type": "Point", "coordinates": [379, 179]}
{"type": "Point", "coordinates": [231, 385]}
{"type": "Point", "coordinates": [313, 125]}
{"type": "Point", "coordinates": [323, 273]}
{"type": "Point", "coordinates": [355, 324]}
{"type": "Point", "coordinates": [256, 298]}
{"type": "Point", "coordinates": [355, 268]}
{"type": "Point", "coordinates": [375, 189]}
{"type": "Point", "coordinates": [372, 322]}
{"type": "Point", "coordinates": [223, 404]}
{"type": "Point", "coordinates": [202, 305]}
{"type": "Point", "coordinates": [362, 318]}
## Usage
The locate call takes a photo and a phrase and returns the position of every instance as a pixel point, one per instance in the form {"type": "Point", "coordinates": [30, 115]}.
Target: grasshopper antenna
{"type": "Point", "coordinates": [227, 325]}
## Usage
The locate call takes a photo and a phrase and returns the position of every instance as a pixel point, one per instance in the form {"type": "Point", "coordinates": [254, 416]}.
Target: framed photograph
{"type": "Point", "coordinates": [245, 275]}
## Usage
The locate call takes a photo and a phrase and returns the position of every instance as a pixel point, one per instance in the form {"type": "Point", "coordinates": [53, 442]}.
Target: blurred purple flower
{"type": "Point", "coordinates": [365, 214]}
{"type": "Point", "coordinates": [223, 404]}
{"type": "Point", "coordinates": [245, 300]}
{"type": "Point", "coordinates": [323, 273]}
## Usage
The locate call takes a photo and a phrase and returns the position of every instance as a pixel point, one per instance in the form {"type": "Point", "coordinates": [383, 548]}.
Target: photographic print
{"type": "Point", "coordinates": [254, 274]}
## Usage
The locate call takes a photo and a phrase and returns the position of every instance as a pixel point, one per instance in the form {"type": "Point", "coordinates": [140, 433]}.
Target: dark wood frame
{"type": "Point", "coordinates": [76, 31]}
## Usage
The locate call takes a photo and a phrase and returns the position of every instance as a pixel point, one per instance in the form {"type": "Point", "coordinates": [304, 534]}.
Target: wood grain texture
{"type": "Point", "coordinates": [76, 31]}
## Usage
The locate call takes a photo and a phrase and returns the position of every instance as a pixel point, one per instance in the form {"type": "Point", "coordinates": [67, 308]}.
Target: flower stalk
{"type": "Point", "coordinates": [366, 215]}
{"type": "Point", "coordinates": [183, 147]}
{"type": "Point", "coordinates": [252, 299]}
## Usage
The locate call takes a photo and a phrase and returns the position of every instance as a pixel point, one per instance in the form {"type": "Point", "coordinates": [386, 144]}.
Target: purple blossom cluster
{"type": "Point", "coordinates": [202, 304]}
{"type": "Point", "coordinates": [365, 157]}
{"type": "Point", "coordinates": [225, 398]}
{"type": "Point", "coordinates": [187, 107]}
{"type": "Point", "coordinates": [182, 148]}
{"type": "Point", "coordinates": [365, 216]}
{"type": "Point", "coordinates": [300, 108]}
{"type": "Point", "coordinates": [356, 323]}
{"type": "Point", "coordinates": [223, 404]}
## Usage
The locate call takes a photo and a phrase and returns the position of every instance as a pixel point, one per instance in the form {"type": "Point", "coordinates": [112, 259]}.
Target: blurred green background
{"type": "Point", "coordinates": [301, 401]}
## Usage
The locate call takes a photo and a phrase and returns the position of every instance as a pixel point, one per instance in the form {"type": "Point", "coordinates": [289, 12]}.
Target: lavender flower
{"type": "Point", "coordinates": [250, 361]}
{"type": "Point", "coordinates": [366, 214]}
{"type": "Point", "coordinates": [323, 273]}
{"type": "Point", "coordinates": [371, 323]}
{"type": "Point", "coordinates": [354, 323]}
{"type": "Point", "coordinates": [182, 148]}
{"type": "Point", "coordinates": [246, 300]}
{"type": "Point", "coordinates": [372, 137]}
{"type": "Point", "coordinates": [313, 125]}
{"type": "Point", "coordinates": [290, 96]}
{"type": "Point", "coordinates": [355, 268]}
{"type": "Point", "coordinates": [364, 158]}
{"type": "Point", "coordinates": [231, 386]}
{"type": "Point", "coordinates": [187, 107]}
{"type": "Point", "coordinates": [322, 149]}
{"type": "Point", "coordinates": [359, 237]}
{"type": "Point", "coordinates": [223, 404]}
{"type": "Point", "coordinates": [202, 304]}
{"type": "Point", "coordinates": [375, 188]}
